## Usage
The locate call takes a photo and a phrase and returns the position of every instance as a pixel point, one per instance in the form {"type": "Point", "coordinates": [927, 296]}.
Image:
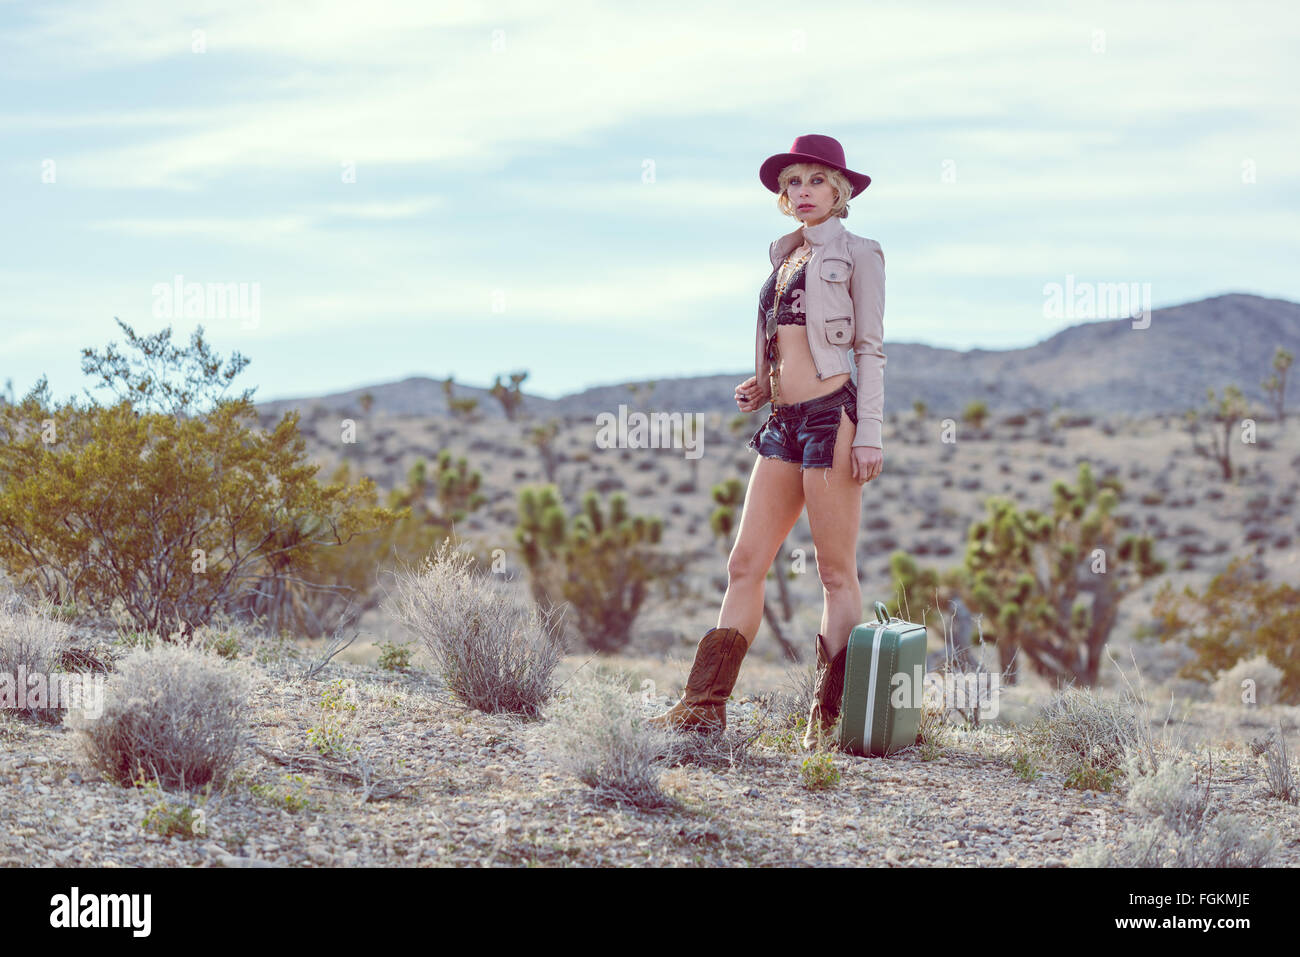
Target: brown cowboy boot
{"type": "Point", "coordinates": [828, 694]}
{"type": "Point", "coordinates": [703, 706]}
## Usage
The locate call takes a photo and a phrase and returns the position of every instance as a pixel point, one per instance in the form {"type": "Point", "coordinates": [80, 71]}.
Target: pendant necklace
{"type": "Point", "coordinates": [784, 275]}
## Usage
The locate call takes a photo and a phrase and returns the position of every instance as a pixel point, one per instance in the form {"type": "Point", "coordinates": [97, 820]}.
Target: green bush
{"type": "Point", "coordinates": [153, 504]}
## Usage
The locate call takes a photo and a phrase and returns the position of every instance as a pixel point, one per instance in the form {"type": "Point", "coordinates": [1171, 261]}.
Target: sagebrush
{"type": "Point", "coordinates": [173, 715]}
{"type": "Point", "coordinates": [1177, 825]}
{"type": "Point", "coordinates": [496, 653]}
{"type": "Point", "coordinates": [32, 642]}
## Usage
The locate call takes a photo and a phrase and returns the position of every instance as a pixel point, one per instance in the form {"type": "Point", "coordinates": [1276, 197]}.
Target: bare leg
{"type": "Point", "coordinates": [834, 500]}
{"type": "Point", "coordinates": [773, 503]}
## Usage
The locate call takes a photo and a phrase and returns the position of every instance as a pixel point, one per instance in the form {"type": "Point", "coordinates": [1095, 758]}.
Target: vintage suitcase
{"type": "Point", "coordinates": [870, 722]}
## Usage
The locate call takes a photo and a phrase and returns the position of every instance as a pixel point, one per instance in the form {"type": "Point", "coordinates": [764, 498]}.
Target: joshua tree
{"type": "Point", "coordinates": [543, 436]}
{"type": "Point", "coordinates": [975, 414]}
{"type": "Point", "coordinates": [1050, 584]}
{"type": "Point", "coordinates": [1275, 385]}
{"type": "Point", "coordinates": [602, 561]}
{"type": "Point", "coordinates": [1224, 416]}
{"type": "Point", "coordinates": [510, 397]}
{"type": "Point", "coordinates": [460, 408]}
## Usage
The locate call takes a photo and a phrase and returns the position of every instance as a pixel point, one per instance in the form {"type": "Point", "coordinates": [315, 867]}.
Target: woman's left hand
{"type": "Point", "coordinates": [867, 463]}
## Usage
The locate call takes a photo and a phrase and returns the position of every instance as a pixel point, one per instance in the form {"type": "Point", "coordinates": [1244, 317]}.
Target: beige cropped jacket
{"type": "Point", "coordinates": [844, 299]}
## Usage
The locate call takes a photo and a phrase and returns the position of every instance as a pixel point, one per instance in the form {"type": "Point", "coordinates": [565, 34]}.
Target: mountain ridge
{"type": "Point", "coordinates": [1097, 366]}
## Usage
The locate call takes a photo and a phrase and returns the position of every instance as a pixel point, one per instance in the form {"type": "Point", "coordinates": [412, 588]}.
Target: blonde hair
{"type": "Point", "coordinates": [839, 182]}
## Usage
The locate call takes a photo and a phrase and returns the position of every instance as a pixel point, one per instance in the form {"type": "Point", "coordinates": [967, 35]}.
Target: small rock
{"type": "Point", "coordinates": [1068, 820]}
{"type": "Point", "coordinates": [350, 858]}
{"type": "Point", "coordinates": [980, 826]}
{"type": "Point", "coordinates": [753, 793]}
{"type": "Point", "coordinates": [229, 860]}
{"type": "Point", "coordinates": [74, 777]}
{"type": "Point", "coordinates": [318, 853]}
{"type": "Point", "coordinates": [312, 831]}
{"type": "Point", "coordinates": [1054, 835]}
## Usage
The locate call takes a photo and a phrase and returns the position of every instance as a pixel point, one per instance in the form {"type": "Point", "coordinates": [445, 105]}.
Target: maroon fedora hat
{"type": "Point", "coordinates": [811, 148]}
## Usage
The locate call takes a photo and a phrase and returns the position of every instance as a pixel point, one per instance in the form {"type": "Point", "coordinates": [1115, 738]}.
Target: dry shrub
{"type": "Point", "coordinates": [1230, 684]}
{"type": "Point", "coordinates": [1278, 776]}
{"type": "Point", "coordinates": [31, 642]}
{"type": "Point", "coordinates": [599, 733]}
{"type": "Point", "coordinates": [173, 715]}
{"type": "Point", "coordinates": [496, 654]}
{"type": "Point", "coordinates": [1077, 726]}
{"type": "Point", "coordinates": [1177, 826]}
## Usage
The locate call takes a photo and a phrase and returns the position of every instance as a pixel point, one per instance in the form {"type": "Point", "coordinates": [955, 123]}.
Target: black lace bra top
{"type": "Point", "coordinates": [791, 312]}
{"type": "Point", "coordinates": [792, 301]}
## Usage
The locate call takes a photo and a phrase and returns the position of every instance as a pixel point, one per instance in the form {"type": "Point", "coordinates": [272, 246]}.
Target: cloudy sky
{"type": "Point", "coordinates": [466, 189]}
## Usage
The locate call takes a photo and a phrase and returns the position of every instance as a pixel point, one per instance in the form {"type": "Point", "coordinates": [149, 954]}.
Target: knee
{"type": "Point", "coordinates": [835, 577]}
{"type": "Point", "coordinates": [745, 565]}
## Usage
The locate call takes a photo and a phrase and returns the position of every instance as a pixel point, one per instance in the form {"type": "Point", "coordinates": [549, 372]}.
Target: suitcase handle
{"type": "Point", "coordinates": [882, 612]}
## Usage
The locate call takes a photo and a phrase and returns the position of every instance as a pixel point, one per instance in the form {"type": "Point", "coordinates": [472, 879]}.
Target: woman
{"type": "Point", "coordinates": [821, 316]}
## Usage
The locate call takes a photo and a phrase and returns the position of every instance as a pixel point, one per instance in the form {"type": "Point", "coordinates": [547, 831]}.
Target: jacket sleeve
{"type": "Point", "coordinates": [867, 287]}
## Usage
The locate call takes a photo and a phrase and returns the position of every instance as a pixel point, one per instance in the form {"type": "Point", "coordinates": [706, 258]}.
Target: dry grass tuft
{"type": "Point", "coordinates": [495, 653]}
{"type": "Point", "coordinates": [599, 733]}
{"type": "Point", "coordinates": [1278, 776]}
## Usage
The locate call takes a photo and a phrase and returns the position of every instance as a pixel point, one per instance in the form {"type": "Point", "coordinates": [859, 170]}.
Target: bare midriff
{"type": "Point", "coordinates": [796, 372]}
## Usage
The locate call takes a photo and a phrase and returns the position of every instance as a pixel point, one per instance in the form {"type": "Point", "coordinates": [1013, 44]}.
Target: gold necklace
{"type": "Point", "coordinates": [783, 277]}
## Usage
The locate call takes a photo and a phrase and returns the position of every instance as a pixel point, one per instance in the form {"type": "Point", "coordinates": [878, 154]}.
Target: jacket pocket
{"type": "Point", "coordinates": [839, 330]}
{"type": "Point", "coordinates": [836, 298]}
{"type": "Point", "coordinates": [835, 270]}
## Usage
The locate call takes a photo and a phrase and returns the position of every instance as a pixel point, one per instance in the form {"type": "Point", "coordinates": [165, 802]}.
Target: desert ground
{"type": "Point", "coordinates": [443, 784]}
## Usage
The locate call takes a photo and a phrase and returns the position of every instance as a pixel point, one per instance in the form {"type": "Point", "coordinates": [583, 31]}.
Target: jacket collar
{"type": "Point", "coordinates": [819, 235]}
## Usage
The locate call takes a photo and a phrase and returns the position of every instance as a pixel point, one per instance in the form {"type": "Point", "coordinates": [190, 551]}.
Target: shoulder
{"type": "Point", "coordinates": [861, 248]}
{"type": "Point", "coordinates": [861, 244]}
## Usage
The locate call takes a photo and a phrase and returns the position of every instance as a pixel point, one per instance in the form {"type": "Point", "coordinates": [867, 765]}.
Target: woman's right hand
{"type": "Point", "coordinates": [750, 396]}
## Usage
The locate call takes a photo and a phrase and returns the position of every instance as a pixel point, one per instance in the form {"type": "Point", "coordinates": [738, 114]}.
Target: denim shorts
{"type": "Point", "coordinates": [803, 433]}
